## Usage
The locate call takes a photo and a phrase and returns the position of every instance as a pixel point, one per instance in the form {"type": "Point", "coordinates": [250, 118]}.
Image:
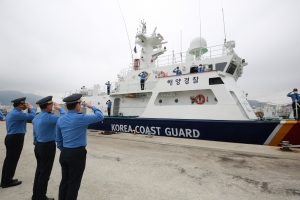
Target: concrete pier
{"type": "Point", "coordinates": [135, 167]}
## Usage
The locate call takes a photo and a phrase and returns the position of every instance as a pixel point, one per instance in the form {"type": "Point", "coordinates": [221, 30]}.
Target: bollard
{"type": "Point", "coordinates": [134, 132]}
{"type": "Point", "coordinates": [149, 134]}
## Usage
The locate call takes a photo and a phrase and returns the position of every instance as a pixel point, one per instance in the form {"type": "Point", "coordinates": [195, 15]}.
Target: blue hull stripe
{"type": "Point", "coordinates": [249, 132]}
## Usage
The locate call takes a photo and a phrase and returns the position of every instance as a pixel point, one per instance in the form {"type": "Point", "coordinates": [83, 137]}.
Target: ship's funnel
{"type": "Point", "coordinates": [196, 45]}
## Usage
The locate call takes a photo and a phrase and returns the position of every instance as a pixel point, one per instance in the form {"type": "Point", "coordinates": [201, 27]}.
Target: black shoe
{"type": "Point", "coordinates": [14, 183]}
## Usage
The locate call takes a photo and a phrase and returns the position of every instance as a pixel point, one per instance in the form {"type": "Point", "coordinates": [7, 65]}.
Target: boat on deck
{"type": "Point", "coordinates": [205, 105]}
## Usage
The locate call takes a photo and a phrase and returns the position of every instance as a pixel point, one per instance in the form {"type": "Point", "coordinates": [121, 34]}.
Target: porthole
{"type": "Point", "coordinates": [160, 101]}
{"type": "Point", "coordinates": [98, 103]}
{"type": "Point", "coordinates": [216, 99]}
{"type": "Point", "coordinates": [176, 100]}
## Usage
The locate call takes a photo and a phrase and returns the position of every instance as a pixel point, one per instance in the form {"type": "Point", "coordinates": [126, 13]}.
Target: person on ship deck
{"type": "Point", "coordinates": [295, 102]}
{"type": "Point", "coordinates": [177, 71]}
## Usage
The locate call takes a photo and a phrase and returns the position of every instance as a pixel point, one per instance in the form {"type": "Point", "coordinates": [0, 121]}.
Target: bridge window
{"type": "Point", "coordinates": [194, 69]}
{"type": "Point", "coordinates": [221, 66]}
{"type": "Point", "coordinates": [215, 81]}
{"type": "Point", "coordinates": [231, 69]}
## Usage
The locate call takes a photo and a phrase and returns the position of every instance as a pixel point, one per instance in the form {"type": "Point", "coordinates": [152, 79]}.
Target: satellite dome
{"type": "Point", "coordinates": [195, 46]}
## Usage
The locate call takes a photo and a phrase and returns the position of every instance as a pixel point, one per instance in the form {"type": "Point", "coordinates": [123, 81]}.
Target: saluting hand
{"type": "Point", "coordinates": [29, 106]}
{"type": "Point", "coordinates": [56, 106]}
{"type": "Point", "coordinates": [89, 105]}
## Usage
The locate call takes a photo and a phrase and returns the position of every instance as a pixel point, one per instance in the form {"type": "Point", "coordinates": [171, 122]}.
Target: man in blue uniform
{"type": "Point", "coordinates": [108, 87]}
{"type": "Point", "coordinates": [142, 75]}
{"type": "Point", "coordinates": [16, 128]}
{"type": "Point", "coordinates": [295, 102]}
{"type": "Point", "coordinates": [200, 68]}
{"type": "Point", "coordinates": [44, 125]}
{"type": "Point", "coordinates": [71, 140]}
{"type": "Point", "coordinates": [177, 71]}
{"type": "Point", "coordinates": [1, 115]}
{"type": "Point", "coordinates": [108, 103]}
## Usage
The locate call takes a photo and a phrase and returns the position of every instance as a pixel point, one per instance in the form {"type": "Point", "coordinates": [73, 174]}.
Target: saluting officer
{"type": "Point", "coordinates": [71, 140]}
{"type": "Point", "coordinates": [177, 71]}
{"type": "Point", "coordinates": [1, 115]}
{"type": "Point", "coordinates": [108, 87]}
{"type": "Point", "coordinates": [143, 76]}
{"type": "Point", "coordinates": [108, 103]}
{"type": "Point", "coordinates": [295, 102]}
{"type": "Point", "coordinates": [44, 140]}
{"type": "Point", "coordinates": [16, 128]}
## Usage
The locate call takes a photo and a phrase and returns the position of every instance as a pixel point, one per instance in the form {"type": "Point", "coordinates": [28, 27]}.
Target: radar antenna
{"type": "Point", "coordinates": [223, 22]}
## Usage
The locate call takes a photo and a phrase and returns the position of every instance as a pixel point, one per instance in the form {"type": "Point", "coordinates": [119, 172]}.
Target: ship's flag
{"type": "Point", "coordinates": [134, 49]}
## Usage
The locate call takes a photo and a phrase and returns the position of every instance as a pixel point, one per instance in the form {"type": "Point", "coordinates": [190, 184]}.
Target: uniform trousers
{"type": "Point", "coordinates": [108, 91]}
{"type": "Point", "coordinates": [72, 161]}
{"type": "Point", "coordinates": [44, 154]}
{"type": "Point", "coordinates": [14, 145]}
{"type": "Point", "coordinates": [294, 108]}
{"type": "Point", "coordinates": [108, 110]}
{"type": "Point", "coordinates": [142, 84]}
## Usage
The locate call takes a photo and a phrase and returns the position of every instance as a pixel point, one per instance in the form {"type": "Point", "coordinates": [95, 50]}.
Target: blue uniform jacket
{"type": "Point", "coordinates": [44, 126]}
{"type": "Point", "coordinates": [16, 120]}
{"type": "Point", "coordinates": [1, 115]}
{"type": "Point", "coordinates": [108, 104]}
{"type": "Point", "coordinates": [108, 85]}
{"type": "Point", "coordinates": [178, 71]}
{"type": "Point", "coordinates": [143, 76]}
{"type": "Point", "coordinates": [293, 96]}
{"type": "Point", "coordinates": [200, 69]}
{"type": "Point", "coordinates": [71, 128]}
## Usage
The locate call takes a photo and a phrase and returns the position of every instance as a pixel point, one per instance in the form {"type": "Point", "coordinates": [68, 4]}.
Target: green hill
{"type": "Point", "coordinates": [7, 96]}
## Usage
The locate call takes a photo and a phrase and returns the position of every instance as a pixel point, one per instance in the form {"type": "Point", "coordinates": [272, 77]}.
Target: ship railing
{"type": "Point", "coordinates": [101, 90]}
{"type": "Point", "coordinates": [182, 57]}
{"type": "Point", "coordinates": [133, 86]}
{"type": "Point", "coordinates": [213, 52]}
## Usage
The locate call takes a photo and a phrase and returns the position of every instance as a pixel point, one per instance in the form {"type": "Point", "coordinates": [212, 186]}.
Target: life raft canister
{"type": "Point", "coordinates": [200, 99]}
{"type": "Point", "coordinates": [163, 74]}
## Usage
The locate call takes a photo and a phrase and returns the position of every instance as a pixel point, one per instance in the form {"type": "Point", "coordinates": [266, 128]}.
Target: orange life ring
{"type": "Point", "coordinates": [200, 96]}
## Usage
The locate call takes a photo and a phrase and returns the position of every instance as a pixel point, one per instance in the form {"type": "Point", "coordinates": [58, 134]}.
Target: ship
{"type": "Point", "coordinates": [203, 102]}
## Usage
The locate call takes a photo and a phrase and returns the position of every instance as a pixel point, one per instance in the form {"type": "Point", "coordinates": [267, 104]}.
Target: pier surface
{"type": "Point", "coordinates": [134, 167]}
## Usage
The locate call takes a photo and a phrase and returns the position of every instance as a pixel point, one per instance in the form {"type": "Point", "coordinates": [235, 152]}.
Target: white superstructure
{"type": "Point", "coordinates": [212, 94]}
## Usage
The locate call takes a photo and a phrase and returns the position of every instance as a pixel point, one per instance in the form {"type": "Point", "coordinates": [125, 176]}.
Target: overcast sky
{"type": "Point", "coordinates": [50, 47]}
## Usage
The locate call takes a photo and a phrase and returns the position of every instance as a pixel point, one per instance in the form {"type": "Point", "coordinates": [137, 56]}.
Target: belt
{"type": "Point", "coordinates": [82, 147]}
{"type": "Point", "coordinates": [16, 134]}
{"type": "Point", "coordinates": [47, 142]}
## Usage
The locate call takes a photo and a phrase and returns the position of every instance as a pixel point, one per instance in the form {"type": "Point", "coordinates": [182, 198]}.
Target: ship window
{"type": "Point", "coordinates": [215, 81]}
{"type": "Point", "coordinates": [160, 101]}
{"type": "Point", "coordinates": [98, 103]}
{"type": "Point", "coordinates": [221, 66]}
{"type": "Point", "coordinates": [231, 69]}
{"type": "Point", "coordinates": [176, 100]}
{"type": "Point", "coordinates": [210, 67]}
{"type": "Point", "coordinates": [194, 69]}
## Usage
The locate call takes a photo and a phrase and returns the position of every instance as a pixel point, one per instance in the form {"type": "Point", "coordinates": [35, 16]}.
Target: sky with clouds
{"type": "Point", "coordinates": [51, 47]}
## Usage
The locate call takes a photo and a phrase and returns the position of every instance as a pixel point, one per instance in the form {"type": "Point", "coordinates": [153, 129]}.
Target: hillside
{"type": "Point", "coordinates": [7, 96]}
